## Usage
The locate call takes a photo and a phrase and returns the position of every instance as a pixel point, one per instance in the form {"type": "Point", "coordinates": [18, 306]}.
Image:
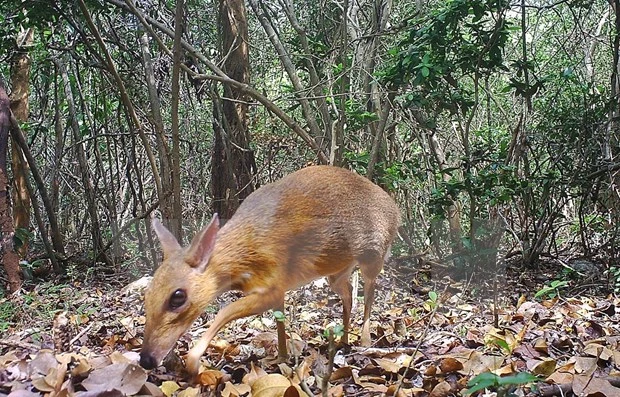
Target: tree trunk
{"type": "Point", "coordinates": [615, 85]}
{"type": "Point", "coordinates": [377, 102]}
{"type": "Point", "coordinates": [162, 144]}
{"type": "Point", "coordinates": [10, 259]}
{"type": "Point", "coordinates": [84, 170]}
{"type": "Point", "coordinates": [233, 162]}
{"type": "Point", "coordinates": [453, 210]}
{"type": "Point", "coordinates": [58, 247]}
{"type": "Point", "coordinates": [177, 54]}
{"type": "Point", "coordinates": [20, 78]}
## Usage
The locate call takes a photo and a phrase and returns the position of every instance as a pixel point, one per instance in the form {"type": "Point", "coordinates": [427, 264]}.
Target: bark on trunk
{"type": "Point", "coordinates": [57, 251]}
{"type": "Point", "coordinates": [177, 53]}
{"type": "Point", "coordinates": [20, 77]}
{"type": "Point", "coordinates": [233, 161]}
{"type": "Point", "coordinates": [162, 144]}
{"type": "Point", "coordinates": [10, 259]}
{"type": "Point", "coordinates": [377, 101]}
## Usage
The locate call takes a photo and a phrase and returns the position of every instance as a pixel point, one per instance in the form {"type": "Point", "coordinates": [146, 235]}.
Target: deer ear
{"type": "Point", "coordinates": [169, 243]}
{"type": "Point", "coordinates": [200, 250]}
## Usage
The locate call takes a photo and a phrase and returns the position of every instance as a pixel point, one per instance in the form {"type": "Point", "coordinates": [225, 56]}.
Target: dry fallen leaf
{"type": "Point", "coordinates": [169, 387]}
{"type": "Point", "coordinates": [43, 362]}
{"type": "Point", "coordinates": [151, 389]}
{"type": "Point", "coordinates": [585, 365]}
{"type": "Point", "coordinates": [231, 390]}
{"type": "Point", "coordinates": [587, 385]}
{"type": "Point", "coordinates": [443, 389]}
{"type": "Point", "coordinates": [127, 378]}
{"type": "Point", "coordinates": [189, 392]}
{"type": "Point", "coordinates": [560, 378]}
{"type": "Point", "coordinates": [254, 374]}
{"type": "Point", "coordinates": [479, 363]}
{"type": "Point", "coordinates": [210, 378]}
{"type": "Point", "coordinates": [450, 364]}
{"type": "Point", "coordinates": [598, 350]}
{"type": "Point", "coordinates": [274, 385]}
{"type": "Point", "coordinates": [341, 373]}
{"type": "Point", "coordinates": [544, 367]}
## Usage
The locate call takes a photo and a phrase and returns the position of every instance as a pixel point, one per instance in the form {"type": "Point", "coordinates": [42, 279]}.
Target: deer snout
{"type": "Point", "coordinates": [147, 361]}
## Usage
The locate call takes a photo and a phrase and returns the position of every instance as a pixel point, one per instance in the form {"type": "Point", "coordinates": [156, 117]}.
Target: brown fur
{"type": "Point", "coordinates": [319, 221]}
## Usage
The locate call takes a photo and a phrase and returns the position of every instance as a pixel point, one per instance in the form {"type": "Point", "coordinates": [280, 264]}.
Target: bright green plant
{"type": "Point", "coordinates": [433, 300]}
{"type": "Point", "coordinates": [279, 316]}
{"type": "Point", "coordinates": [552, 290]}
{"type": "Point", "coordinates": [335, 331]}
{"type": "Point", "coordinates": [502, 385]}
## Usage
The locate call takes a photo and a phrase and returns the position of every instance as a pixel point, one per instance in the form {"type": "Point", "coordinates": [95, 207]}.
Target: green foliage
{"type": "Point", "coordinates": [357, 115]}
{"type": "Point", "coordinates": [392, 176]}
{"type": "Point", "coordinates": [433, 300]}
{"type": "Point", "coordinates": [335, 331]}
{"type": "Point", "coordinates": [18, 14]}
{"type": "Point", "coordinates": [28, 268]}
{"type": "Point", "coordinates": [7, 314]}
{"type": "Point", "coordinates": [501, 384]}
{"type": "Point", "coordinates": [458, 38]}
{"type": "Point", "coordinates": [491, 183]}
{"type": "Point", "coordinates": [502, 344]}
{"type": "Point", "coordinates": [21, 237]}
{"type": "Point", "coordinates": [357, 160]}
{"type": "Point", "coordinates": [463, 53]}
{"type": "Point", "coordinates": [279, 316]}
{"type": "Point", "coordinates": [552, 289]}
{"type": "Point", "coordinates": [397, 174]}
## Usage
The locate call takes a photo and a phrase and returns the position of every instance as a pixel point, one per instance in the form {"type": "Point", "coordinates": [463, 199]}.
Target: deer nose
{"type": "Point", "coordinates": [147, 361]}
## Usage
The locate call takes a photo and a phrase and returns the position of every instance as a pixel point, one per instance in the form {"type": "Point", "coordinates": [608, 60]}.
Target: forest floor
{"type": "Point", "coordinates": [431, 336]}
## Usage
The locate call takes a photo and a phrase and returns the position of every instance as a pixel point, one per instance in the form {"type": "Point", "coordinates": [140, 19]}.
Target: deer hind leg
{"type": "Point", "coordinates": [340, 283]}
{"type": "Point", "coordinates": [371, 264]}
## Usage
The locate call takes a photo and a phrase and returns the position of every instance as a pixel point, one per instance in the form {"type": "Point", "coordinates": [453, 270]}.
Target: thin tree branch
{"type": "Point", "coordinates": [221, 77]}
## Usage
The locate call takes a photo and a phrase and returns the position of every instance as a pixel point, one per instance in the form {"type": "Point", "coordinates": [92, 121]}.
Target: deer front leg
{"type": "Point", "coordinates": [246, 306]}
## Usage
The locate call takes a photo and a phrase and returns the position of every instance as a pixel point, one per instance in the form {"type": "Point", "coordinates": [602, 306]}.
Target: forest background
{"type": "Point", "coordinates": [494, 124]}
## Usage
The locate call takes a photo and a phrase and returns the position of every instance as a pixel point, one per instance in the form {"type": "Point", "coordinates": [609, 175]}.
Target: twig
{"type": "Point", "coordinates": [22, 345]}
{"type": "Point", "coordinates": [417, 348]}
{"type": "Point", "coordinates": [330, 365]}
{"type": "Point", "coordinates": [81, 333]}
{"type": "Point", "coordinates": [382, 351]}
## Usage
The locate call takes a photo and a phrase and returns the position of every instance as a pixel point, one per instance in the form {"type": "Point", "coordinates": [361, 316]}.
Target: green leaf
{"type": "Point", "coordinates": [488, 380]}
{"type": "Point", "coordinates": [502, 344]}
{"type": "Point", "coordinates": [279, 315]}
{"type": "Point", "coordinates": [520, 378]}
{"type": "Point", "coordinates": [338, 330]}
{"type": "Point", "coordinates": [485, 380]}
{"type": "Point", "coordinates": [21, 237]}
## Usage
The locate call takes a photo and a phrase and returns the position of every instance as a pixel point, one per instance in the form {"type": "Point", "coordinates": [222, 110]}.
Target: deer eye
{"type": "Point", "coordinates": [177, 299]}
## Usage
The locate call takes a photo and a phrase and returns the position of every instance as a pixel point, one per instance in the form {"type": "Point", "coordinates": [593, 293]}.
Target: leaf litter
{"type": "Point", "coordinates": [85, 341]}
